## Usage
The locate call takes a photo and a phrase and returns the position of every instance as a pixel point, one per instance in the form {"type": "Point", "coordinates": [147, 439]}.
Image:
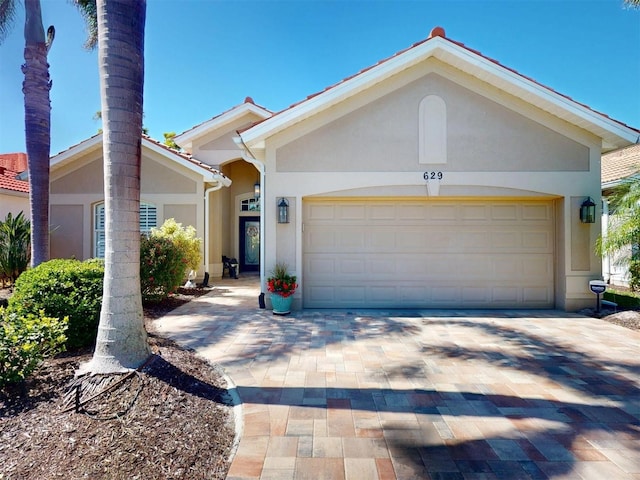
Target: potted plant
{"type": "Point", "coordinates": [282, 286]}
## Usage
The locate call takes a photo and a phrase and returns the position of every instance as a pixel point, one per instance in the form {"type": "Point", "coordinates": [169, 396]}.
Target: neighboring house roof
{"type": "Point", "coordinates": [209, 173]}
{"type": "Point", "coordinates": [614, 134]}
{"type": "Point", "coordinates": [14, 161]}
{"type": "Point", "coordinates": [234, 113]}
{"type": "Point", "coordinates": [11, 165]}
{"type": "Point", "coordinates": [619, 165]}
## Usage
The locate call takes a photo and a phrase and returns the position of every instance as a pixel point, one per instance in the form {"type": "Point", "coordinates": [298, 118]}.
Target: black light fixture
{"type": "Point", "coordinates": [283, 210]}
{"type": "Point", "coordinates": [256, 190]}
{"type": "Point", "coordinates": [588, 211]}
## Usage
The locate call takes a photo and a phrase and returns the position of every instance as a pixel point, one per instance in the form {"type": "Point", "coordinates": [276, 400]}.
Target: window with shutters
{"type": "Point", "coordinates": [148, 220]}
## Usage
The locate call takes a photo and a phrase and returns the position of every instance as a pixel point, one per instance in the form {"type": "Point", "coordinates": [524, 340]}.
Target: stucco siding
{"type": "Point", "coordinates": [67, 225]}
{"type": "Point", "coordinates": [383, 135]}
{"type": "Point", "coordinates": [154, 177]}
{"type": "Point", "coordinates": [14, 203]}
{"type": "Point", "coordinates": [184, 214]}
{"type": "Point", "coordinates": [88, 178]}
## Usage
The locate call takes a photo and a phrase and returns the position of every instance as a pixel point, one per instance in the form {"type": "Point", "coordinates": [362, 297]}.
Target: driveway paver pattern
{"type": "Point", "coordinates": [384, 394]}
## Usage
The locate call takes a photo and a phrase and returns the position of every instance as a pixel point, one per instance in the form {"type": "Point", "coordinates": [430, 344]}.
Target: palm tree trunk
{"type": "Point", "coordinates": [122, 340]}
{"type": "Point", "coordinates": [37, 108]}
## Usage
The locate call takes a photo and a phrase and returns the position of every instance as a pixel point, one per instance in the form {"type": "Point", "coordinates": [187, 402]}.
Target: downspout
{"type": "Point", "coordinates": [247, 156]}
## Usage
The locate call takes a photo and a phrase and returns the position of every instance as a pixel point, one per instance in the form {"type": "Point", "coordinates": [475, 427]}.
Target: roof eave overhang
{"type": "Point", "coordinates": [614, 134]}
{"type": "Point", "coordinates": [620, 181]}
{"type": "Point", "coordinates": [69, 155]}
{"type": "Point", "coordinates": [185, 139]}
{"type": "Point", "coordinates": [13, 193]}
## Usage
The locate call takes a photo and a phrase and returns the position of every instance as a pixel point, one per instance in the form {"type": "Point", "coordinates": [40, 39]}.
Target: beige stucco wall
{"type": "Point", "coordinates": [383, 135]}
{"type": "Point", "coordinates": [14, 203]}
{"type": "Point", "coordinates": [154, 177]}
{"type": "Point", "coordinates": [76, 187]}
{"type": "Point", "coordinates": [67, 221]}
{"type": "Point", "coordinates": [496, 147]}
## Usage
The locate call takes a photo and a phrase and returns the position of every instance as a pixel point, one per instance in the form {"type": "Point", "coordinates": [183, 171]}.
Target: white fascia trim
{"type": "Point", "coordinates": [68, 155]}
{"type": "Point", "coordinates": [219, 121]}
{"type": "Point", "coordinates": [473, 64]}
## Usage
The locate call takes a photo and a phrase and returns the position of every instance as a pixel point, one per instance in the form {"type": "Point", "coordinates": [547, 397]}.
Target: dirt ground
{"type": "Point", "coordinates": [172, 420]}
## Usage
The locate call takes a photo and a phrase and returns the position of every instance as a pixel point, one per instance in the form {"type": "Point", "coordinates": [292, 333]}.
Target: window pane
{"type": "Point", "coordinates": [148, 220]}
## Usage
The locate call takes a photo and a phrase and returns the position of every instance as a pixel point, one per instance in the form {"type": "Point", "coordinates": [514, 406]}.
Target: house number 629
{"type": "Point", "coordinates": [432, 175]}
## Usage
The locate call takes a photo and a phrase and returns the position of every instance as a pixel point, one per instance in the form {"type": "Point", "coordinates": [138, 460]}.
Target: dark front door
{"type": "Point", "coordinates": [249, 244]}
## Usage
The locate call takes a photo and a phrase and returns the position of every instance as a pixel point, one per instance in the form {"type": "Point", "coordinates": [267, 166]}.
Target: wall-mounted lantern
{"type": "Point", "coordinates": [588, 211]}
{"type": "Point", "coordinates": [283, 210]}
{"type": "Point", "coordinates": [256, 190]}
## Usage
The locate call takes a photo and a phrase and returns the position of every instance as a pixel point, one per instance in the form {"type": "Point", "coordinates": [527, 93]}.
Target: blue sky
{"type": "Point", "coordinates": [204, 56]}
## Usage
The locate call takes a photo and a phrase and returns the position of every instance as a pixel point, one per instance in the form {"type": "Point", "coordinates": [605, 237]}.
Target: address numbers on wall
{"type": "Point", "coordinates": [432, 176]}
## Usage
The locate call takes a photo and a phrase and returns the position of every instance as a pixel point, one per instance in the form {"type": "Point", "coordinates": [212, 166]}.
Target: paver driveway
{"type": "Point", "coordinates": [421, 394]}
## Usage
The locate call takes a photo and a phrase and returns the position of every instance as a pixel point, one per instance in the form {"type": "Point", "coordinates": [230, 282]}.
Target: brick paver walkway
{"type": "Point", "coordinates": [421, 394]}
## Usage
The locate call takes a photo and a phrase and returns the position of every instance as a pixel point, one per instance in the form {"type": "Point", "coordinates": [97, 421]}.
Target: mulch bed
{"type": "Point", "coordinates": [171, 420]}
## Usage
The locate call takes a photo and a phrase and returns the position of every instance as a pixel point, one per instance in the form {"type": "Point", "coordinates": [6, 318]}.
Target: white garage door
{"type": "Point", "coordinates": [428, 254]}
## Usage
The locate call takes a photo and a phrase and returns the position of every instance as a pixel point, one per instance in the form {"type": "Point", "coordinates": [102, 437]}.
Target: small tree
{"type": "Point", "coordinates": [15, 236]}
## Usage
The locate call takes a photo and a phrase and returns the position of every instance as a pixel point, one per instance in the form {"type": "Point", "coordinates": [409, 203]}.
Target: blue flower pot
{"type": "Point", "coordinates": [281, 305]}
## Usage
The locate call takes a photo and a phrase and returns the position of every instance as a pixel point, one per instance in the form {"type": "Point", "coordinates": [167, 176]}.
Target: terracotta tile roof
{"type": "Point", "coordinates": [11, 164]}
{"type": "Point", "coordinates": [620, 164]}
{"type": "Point", "coordinates": [439, 32]}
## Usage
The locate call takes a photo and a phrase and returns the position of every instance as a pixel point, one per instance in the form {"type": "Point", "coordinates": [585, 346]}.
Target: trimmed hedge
{"type": "Point", "coordinates": [63, 288]}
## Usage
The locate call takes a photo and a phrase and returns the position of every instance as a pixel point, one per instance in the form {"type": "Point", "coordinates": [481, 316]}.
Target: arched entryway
{"type": "Point", "coordinates": [241, 218]}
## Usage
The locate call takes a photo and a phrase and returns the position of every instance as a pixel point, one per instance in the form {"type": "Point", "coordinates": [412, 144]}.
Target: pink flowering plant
{"type": "Point", "coordinates": [281, 281]}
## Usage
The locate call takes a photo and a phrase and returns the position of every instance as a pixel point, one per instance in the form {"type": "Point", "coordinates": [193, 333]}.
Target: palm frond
{"type": "Point", "coordinates": [89, 12]}
{"type": "Point", "coordinates": [7, 16]}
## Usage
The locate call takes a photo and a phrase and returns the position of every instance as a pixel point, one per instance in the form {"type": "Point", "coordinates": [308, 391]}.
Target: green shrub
{"type": "Point", "coordinates": [162, 267]}
{"type": "Point", "coordinates": [25, 341]}
{"type": "Point", "coordinates": [15, 241]}
{"type": "Point", "coordinates": [63, 288]}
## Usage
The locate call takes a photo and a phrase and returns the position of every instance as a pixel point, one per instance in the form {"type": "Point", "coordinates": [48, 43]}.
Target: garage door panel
{"type": "Point", "coordinates": [385, 239]}
{"type": "Point", "coordinates": [537, 212]}
{"type": "Point", "coordinates": [537, 240]}
{"type": "Point", "coordinates": [428, 254]}
{"type": "Point", "coordinates": [430, 267]}
{"type": "Point", "coordinates": [504, 213]}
